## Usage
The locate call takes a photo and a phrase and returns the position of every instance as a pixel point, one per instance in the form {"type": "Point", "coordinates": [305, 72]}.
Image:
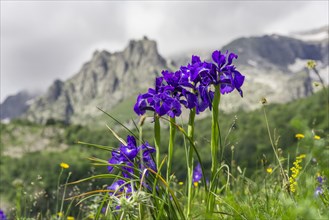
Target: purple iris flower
{"type": "Point", "coordinates": [146, 148]}
{"type": "Point", "coordinates": [197, 93]}
{"type": "Point", "coordinates": [124, 155]}
{"type": "Point", "coordinates": [115, 159]}
{"type": "Point", "coordinates": [141, 105]}
{"type": "Point", "coordinates": [190, 86]}
{"type": "Point", "coordinates": [205, 99]}
{"type": "Point", "coordinates": [195, 68]}
{"type": "Point", "coordinates": [175, 79]}
{"type": "Point", "coordinates": [130, 151]}
{"type": "Point", "coordinates": [320, 179]}
{"type": "Point", "coordinates": [165, 104]}
{"type": "Point", "coordinates": [2, 215]}
{"type": "Point", "coordinates": [174, 107]}
{"type": "Point", "coordinates": [127, 169]}
{"type": "Point", "coordinates": [229, 77]}
{"type": "Point", "coordinates": [128, 157]}
{"type": "Point", "coordinates": [197, 173]}
{"type": "Point", "coordinates": [147, 159]}
{"type": "Point", "coordinates": [117, 187]}
{"type": "Point", "coordinates": [161, 100]}
{"type": "Point", "coordinates": [205, 78]}
{"type": "Point", "coordinates": [318, 191]}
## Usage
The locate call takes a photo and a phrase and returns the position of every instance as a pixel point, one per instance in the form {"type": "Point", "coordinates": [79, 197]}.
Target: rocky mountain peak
{"type": "Point", "coordinates": [104, 81]}
{"type": "Point", "coordinates": [141, 46]}
{"type": "Point", "coordinates": [274, 67]}
{"type": "Point", "coordinates": [100, 56]}
{"type": "Point", "coordinates": [314, 35]}
{"type": "Point", "coordinates": [54, 90]}
{"type": "Point", "coordinates": [142, 51]}
{"type": "Point", "coordinates": [15, 105]}
{"type": "Point", "coordinates": [273, 51]}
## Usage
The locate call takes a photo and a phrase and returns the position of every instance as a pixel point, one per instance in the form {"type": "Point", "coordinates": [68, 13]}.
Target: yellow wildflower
{"type": "Point", "coordinates": [316, 84]}
{"type": "Point", "coordinates": [180, 183]}
{"type": "Point", "coordinates": [316, 137]}
{"type": "Point", "coordinates": [196, 184]}
{"type": "Point", "coordinates": [263, 101]}
{"type": "Point", "coordinates": [269, 170]}
{"type": "Point", "coordinates": [294, 172]}
{"type": "Point", "coordinates": [70, 218]}
{"type": "Point", "coordinates": [301, 157]}
{"type": "Point", "coordinates": [299, 136]}
{"type": "Point", "coordinates": [311, 64]}
{"type": "Point", "coordinates": [64, 165]}
{"type": "Point", "coordinates": [60, 214]}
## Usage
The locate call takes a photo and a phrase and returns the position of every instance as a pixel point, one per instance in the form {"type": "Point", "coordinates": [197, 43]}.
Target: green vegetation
{"type": "Point", "coordinates": [253, 192]}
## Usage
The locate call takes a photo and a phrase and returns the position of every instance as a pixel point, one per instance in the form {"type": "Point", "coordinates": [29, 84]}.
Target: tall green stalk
{"type": "Point", "coordinates": [19, 190]}
{"type": "Point", "coordinates": [321, 81]}
{"type": "Point", "coordinates": [214, 148]}
{"type": "Point", "coordinates": [141, 206]}
{"type": "Point", "coordinates": [284, 175]}
{"type": "Point", "coordinates": [63, 197]}
{"type": "Point", "coordinates": [190, 134]}
{"type": "Point", "coordinates": [172, 132]}
{"type": "Point", "coordinates": [157, 139]}
{"type": "Point", "coordinates": [57, 192]}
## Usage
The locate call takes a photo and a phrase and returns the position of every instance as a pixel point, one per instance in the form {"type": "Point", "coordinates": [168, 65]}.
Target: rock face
{"type": "Point", "coordinates": [15, 105]}
{"type": "Point", "coordinates": [276, 52]}
{"type": "Point", "coordinates": [104, 81]}
{"type": "Point", "coordinates": [274, 67]}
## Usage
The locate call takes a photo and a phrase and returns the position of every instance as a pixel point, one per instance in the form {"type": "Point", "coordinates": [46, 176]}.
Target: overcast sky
{"type": "Point", "coordinates": [43, 41]}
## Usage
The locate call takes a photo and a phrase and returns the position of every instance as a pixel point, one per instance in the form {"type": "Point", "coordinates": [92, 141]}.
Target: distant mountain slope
{"type": "Point", "coordinates": [15, 105]}
{"type": "Point", "coordinates": [104, 81]}
{"type": "Point", "coordinates": [317, 34]}
{"type": "Point", "coordinates": [274, 51]}
{"type": "Point", "coordinates": [274, 67]}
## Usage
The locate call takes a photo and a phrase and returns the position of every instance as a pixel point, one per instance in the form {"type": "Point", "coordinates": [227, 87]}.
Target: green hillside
{"type": "Point", "coordinates": [243, 132]}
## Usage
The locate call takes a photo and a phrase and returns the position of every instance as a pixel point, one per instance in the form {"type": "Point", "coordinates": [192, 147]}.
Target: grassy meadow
{"type": "Point", "coordinates": [271, 163]}
{"type": "Point", "coordinates": [250, 183]}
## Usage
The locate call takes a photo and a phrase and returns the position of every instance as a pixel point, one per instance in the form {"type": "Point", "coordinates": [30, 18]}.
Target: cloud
{"type": "Point", "coordinates": [45, 40]}
{"type": "Point", "coordinates": [42, 41]}
{"type": "Point", "coordinates": [201, 24]}
{"type": "Point", "coordinates": [314, 14]}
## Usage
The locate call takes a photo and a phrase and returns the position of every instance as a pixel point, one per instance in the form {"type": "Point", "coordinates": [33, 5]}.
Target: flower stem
{"type": "Point", "coordinates": [284, 176]}
{"type": "Point", "coordinates": [63, 198]}
{"type": "Point", "coordinates": [190, 134]}
{"type": "Point", "coordinates": [157, 139]}
{"type": "Point", "coordinates": [57, 193]}
{"type": "Point", "coordinates": [172, 132]}
{"type": "Point", "coordinates": [18, 202]}
{"type": "Point", "coordinates": [321, 81]}
{"type": "Point", "coordinates": [140, 144]}
{"type": "Point", "coordinates": [214, 147]}
{"type": "Point", "coordinates": [141, 206]}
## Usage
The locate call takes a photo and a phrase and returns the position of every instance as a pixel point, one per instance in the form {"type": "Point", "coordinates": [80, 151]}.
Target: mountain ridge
{"type": "Point", "coordinates": [107, 76]}
{"type": "Point", "coordinates": [16, 105]}
{"type": "Point", "coordinates": [274, 66]}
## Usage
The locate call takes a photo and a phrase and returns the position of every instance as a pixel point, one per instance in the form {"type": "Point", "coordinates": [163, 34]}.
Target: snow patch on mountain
{"type": "Point", "coordinates": [298, 65]}
{"type": "Point", "coordinates": [312, 37]}
{"type": "Point", "coordinates": [319, 34]}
